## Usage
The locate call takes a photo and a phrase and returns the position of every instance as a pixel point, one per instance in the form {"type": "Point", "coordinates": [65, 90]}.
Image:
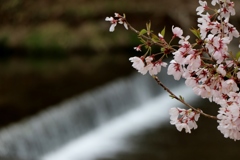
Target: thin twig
{"type": "Point", "coordinates": [181, 100]}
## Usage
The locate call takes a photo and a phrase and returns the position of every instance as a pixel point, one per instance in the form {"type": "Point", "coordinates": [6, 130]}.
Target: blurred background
{"type": "Point", "coordinates": [53, 50]}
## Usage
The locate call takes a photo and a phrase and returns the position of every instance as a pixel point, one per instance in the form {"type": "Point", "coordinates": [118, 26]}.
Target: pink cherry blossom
{"type": "Point", "coordinates": [149, 59]}
{"type": "Point", "coordinates": [122, 21]}
{"type": "Point", "coordinates": [231, 31]}
{"type": "Point", "coordinates": [201, 8]}
{"type": "Point", "coordinates": [138, 64]}
{"type": "Point", "coordinates": [193, 60]}
{"type": "Point", "coordinates": [229, 121]}
{"type": "Point", "coordinates": [226, 9]}
{"type": "Point", "coordinates": [160, 36]}
{"type": "Point", "coordinates": [234, 97]}
{"type": "Point", "coordinates": [144, 65]}
{"type": "Point", "coordinates": [184, 119]}
{"type": "Point", "coordinates": [203, 90]}
{"type": "Point", "coordinates": [214, 2]}
{"type": "Point", "coordinates": [177, 32]}
{"type": "Point", "coordinates": [175, 69]}
{"type": "Point", "coordinates": [155, 67]}
{"type": "Point", "coordinates": [229, 86]}
{"type": "Point", "coordinates": [113, 23]}
{"type": "Point", "coordinates": [221, 70]}
{"type": "Point", "coordinates": [117, 15]}
{"type": "Point", "coordinates": [138, 48]}
{"type": "Point", "coordinates": [204, 25]}
{"type": "Point", "coordinates": [118, 19]}
{"type": "Point", "coordinates": [192, 81]}
{"type": "Point", "coordinates": [174, 113]}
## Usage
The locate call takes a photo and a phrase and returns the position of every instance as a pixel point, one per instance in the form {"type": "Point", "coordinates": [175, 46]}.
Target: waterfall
{"type": "Point", "coordinates": [48, 131]}
{"type": "Point", "coordinates": [111, 137]}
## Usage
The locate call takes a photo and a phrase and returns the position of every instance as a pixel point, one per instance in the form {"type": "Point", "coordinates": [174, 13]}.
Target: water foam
{"type": "Point", "coordinates": [110, 138]}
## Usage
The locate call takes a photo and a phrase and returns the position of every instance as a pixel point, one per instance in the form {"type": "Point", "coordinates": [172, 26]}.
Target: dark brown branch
{"type": "Point", "coordinates": [181, 100]}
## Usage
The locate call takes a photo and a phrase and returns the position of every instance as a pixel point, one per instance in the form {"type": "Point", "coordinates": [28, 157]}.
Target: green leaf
{"type": "Point", "coordinates": [238, 55]}
{"type": "Point", "coordinates": [181, 98]}
{"type": "Point", "coordinates": [228, 75]}
{"type": "Point", "coordinates": [142, 41]}
{"type": "Point", "coordinates": [163, 32]}
{"type": "Point", "coordinates": [148, 25]}
{"type": "Point", "coordinates": [142, 32]}
{"type": "Point", "coordinates": [155, 38]}
{"type": "Point", "coordinates": [196, 32]}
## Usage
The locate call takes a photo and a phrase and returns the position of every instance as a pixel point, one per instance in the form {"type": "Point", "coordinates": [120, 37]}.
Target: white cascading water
{"type": "Point", "coordinates": [92, 124]}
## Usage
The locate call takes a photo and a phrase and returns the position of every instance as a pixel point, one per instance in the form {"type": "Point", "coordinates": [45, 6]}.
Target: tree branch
{"type": "Point", "coordinates": [181, 100]}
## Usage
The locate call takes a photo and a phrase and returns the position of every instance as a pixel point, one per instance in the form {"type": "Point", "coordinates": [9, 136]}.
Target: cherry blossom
{"type": "Point", "coordinates": [204, 25]}
{"type": "Point", "coordinates": [118, 19]}
{"type": "Point", "coordinates": [208, 65]}
{"type": "Point", "coordinates": [231, 31]}
{"type": "Point", "coordinates": [155, 68]}
{"type": "Point", "coordinates": [203, 90]}
{"type": "Point", "coordinates": [184, 119]}
{"type": "Point", "coordinates": [113, 23]}
{"type": "Point", "coordinates": [138, 64]}
{"type": "Point", "coordinates": [193, 60]}
{"type": "Point", "coordinates": [160, 35]}
{"type": "Point", "coordinates": [229, 85]}
{"type": "Point", "coordinates": [175, 69]}
{"type": "Point", "coordinates": [227, 9]}
{"type": "Point", "coordinates": [214, 2]}
{"type": "Point", "coordinates": [122, 21]}
{"type": "Point", "coordinates": [229, 121]}
{"type": "Point", "coordinates": [201, 8]}
{"type": "Point", "coordinates": [221, 70]}
{"type": "Point", "coordinates": [177, 32]}
{"type": "Point", "coordinates": [144, 65]}
{"type": "Point", "coordinates": [138, 48]}
{"type": "Point", "coordinates": [192, 81]}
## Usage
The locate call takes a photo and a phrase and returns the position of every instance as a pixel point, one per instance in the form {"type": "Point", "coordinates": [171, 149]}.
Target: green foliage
{"type": "Point", "coordinates": [196, 32]}
{"type": "Point", "coordinates": [163, 32]}
{"type": "Point", "coordinates": [238, 55]}
{"type": "Point", "coordinates": [181, 98]}
{"type": "Point", "coordinates": [155, 38]}
{"type": "Point", "coordinates": [148, 25]}
{"type": "Point", "coordinates": [142, 32]}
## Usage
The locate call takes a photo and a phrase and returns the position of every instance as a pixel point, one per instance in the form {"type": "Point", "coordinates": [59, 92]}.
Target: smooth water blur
{"type": "Point", "coordinates": [99, 130]}
{"type": "Point", "coordinates": [74, 117]}
{"type": "Point", "coordinates": [111, 137]}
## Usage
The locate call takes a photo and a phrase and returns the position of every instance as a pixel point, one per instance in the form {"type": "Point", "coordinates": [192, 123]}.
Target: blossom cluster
{"type": "Point", "coordinates": [144, 65]}
{"type": "Point", "coordinates": [208, 66]}
{"type": "Point", "coordinates": [115, 20]}
{"type": "Point", "coordinates": [184, 119]}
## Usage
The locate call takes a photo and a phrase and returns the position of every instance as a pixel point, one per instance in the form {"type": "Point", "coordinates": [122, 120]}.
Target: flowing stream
{"type": "Point", "coordinates": [92, 124]}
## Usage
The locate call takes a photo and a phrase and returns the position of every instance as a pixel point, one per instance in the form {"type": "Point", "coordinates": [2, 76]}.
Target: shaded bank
{"type": "Point", "coordinates": [28, 87]}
